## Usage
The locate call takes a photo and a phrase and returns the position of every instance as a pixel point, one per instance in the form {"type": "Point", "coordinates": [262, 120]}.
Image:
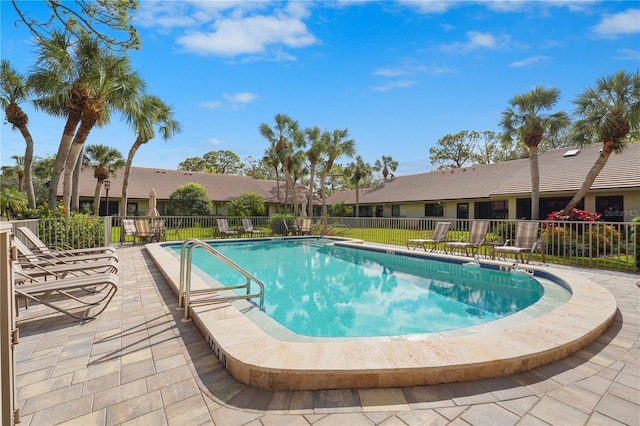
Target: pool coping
{"type": "Point", "coordinates": [257, 359]}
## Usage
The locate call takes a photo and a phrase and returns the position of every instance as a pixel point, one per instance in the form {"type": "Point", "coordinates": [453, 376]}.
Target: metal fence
{"type": "Point", "coordinates": [605, 245]}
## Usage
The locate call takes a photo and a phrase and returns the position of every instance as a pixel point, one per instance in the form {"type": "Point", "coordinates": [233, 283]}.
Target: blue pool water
{"type": "Point", "coordinates": [324, 290]}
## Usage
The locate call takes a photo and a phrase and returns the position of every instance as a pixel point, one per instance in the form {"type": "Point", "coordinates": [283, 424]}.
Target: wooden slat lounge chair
{"type": "Point", "coordinates": [76, 297]}
{"type": "Point", "coordinates": [41, 247]}
{"type": "Point", "coordinates": [477, 236]}
{"type": "Point", "coordinates": [223, 228]}
{"type": "Point", "coordinates": [249, 229]}
{"type": "Point", "coordinates": [305, 227]}
{"type": "Point", "coordinates": [439, 236]}
{"type": "Point", "coordinates": [158, 230]}
{"type": "Point", "coordinates": [47, 259]}
{"type": "Point", "coordinates": [526, 241]}
{"type": "Point", "coordinates": [128, 229]}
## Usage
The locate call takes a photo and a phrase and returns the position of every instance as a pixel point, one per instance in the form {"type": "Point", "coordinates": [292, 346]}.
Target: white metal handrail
{"type": "Point", "coordinates": [185, 292]}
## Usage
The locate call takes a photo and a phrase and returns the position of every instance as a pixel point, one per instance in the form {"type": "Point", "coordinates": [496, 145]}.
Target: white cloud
{"type": "Point", "coordinates": [431, 6]}
{"type": "Point", "coordinates": [240, 98]}
{"type": "Point", "coordinates": [411, 70]}
{"type": "Point", "coordinates": [627, 22]}
{"type": "Point", "coordinates": [394, 85]}
{"type": "Point", "coordinates": [477, 40]}
{"type": "Point", "coordinates": [210, 104]}
{"type": "Point", "coordinates": [528, 61]}
{"type": "Point", "coordinates": [215, 142]}
{"type": "Point", "coordinates": [629, 55]}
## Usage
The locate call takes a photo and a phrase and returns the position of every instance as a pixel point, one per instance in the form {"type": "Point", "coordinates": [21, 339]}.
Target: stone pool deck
{"type": "Point", "coordinates": [139, 364]}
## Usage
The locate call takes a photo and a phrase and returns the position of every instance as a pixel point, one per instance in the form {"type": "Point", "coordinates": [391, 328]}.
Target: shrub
{"type": "Point", "coordinates": [80, 231]}
{"type": "Point", "coordinates": [276, 223]}
{"type": "Point", "coordinates": [574, 216]}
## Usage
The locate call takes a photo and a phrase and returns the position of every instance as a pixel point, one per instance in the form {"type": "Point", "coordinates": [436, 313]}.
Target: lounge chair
{"type": "Point", "coordinates": [223, 228]}
{"type": "Point", "coordinates": [158, 230]}
{"type": "Point", "coordinates": [143, 233]}
{"type": "Point", "coordinates": [438, 236]}
{"type": "Point", "coordinates": [175, 231]}
{"type": "Point", "coordinates": [47, 259]}
{"type": "Point", "coordinates": [305, 227]}
{"type": "Point", "coordinates": [526, 241]}
{"type": "Point", "coordinates": [477, 235]}
{"type": "Point", "coordinates": [128, 229]}
{"type": "Point", "coordinates": [58, 293]}
{"type": "Point", "coordinates": [41, 247]}
{"type": "Point", "coordinates": [249, 229]}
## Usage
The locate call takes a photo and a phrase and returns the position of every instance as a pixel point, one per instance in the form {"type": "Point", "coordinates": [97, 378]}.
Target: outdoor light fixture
{"type": "Point", "coordinates": [107, 186]}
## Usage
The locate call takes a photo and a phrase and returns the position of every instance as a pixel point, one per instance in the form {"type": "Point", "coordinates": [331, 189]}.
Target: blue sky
{"type": "Point", "coordinates": [400, 75]}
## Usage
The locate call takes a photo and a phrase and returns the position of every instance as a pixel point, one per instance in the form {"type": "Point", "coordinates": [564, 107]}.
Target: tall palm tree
{"type": "Point", "coordinates": [283, 137]}
{"type": "Point", "coordinates": [386, 165]}
{"type": "Point", "coordinates": [14, 90]}
{"type": "Point", "coordinates": [146, 116]}
{"type": "Point", "coordinates": [106, 162]}
{"type": "Point", "coordinates": [358, 172]}
{"type": "Point", "coordinates": [337, 145]}
{"type": "Point", "coordinates": [316, 141]}
{"type": "Point", "coordinates": [58, 80]}
{"type": "Point", "coordinates": [610, 112]}
{"type": "Point", "coordinates": [114, 86]}
{"type": "Point", "coordinates": [17, 170]}
{"type": "Point", "coordinates": [271, 159]}
{"type": "Point", "coordinates": [524, 121]}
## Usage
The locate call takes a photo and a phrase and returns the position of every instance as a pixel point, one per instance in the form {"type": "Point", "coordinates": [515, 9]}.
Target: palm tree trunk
{"type": "Point", "coordinates": [75, 192]}
{"type": "Point", "coordinates": [535, 182]}
{"type": "Point", "coordinates": [72, 157]}
{"type": "Point", "coordinates": [312, 176]}
{"type": "Point", "coordinates": [125, 183]}
{"type": "Point", "coordinates": [61, 157]}
{"type": "Point", "coordinates": [28, 166]}
{"type": "Point", "coordinates": [323, 194]}
{"type": "Point", "coordinates": [607, 148]}
{"type": "Point", "coordinates": [96, 198]}
{"type": "Point", "coordinates": [357, 200]}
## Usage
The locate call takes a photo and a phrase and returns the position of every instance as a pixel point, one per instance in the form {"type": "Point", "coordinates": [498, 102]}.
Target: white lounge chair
{"type": "Point", "coordinates": [223, 228]}
{"type": "Point", "coordinates": [526, 242]}
{"type": "Point", "coordinates": [249, 229]}
{"type": "Point", "coordinates": [477, 236]}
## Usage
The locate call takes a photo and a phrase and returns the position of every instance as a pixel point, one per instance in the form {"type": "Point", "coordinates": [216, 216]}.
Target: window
{"type": "Point", "coordinates": [395, 210]}
{"type": "Point", "coordinates": [491, 210]}
{"type": "Point", "coordinates": [366, 211]}
{"type": "Point", "coordinates": [611, 208]}
{"type": "Point", "coordinates": [462, 211]}
{"type": "Point", "coordinates": [434, 210]}
{"type": "Point", "coordinates": [553, 204]}
{"type": "Point", "coordinates": [379, 211]}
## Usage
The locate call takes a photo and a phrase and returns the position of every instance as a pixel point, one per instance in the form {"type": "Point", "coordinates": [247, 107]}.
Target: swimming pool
{"type": "Point", "coordinates": [319, 289]}
{"type": "Point", "coordinates": [258, 352]}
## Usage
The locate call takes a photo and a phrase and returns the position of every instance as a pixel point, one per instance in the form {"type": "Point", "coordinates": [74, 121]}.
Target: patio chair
{"type": "Point", "coordinates": [305, 227]}
{"type": "Point", "coordinates": [223, 228]}
{"type": "Point", "coordinates": [158, 230]}
{"type": "Point", "coordinates": [143, 233]}
{"type": "Point", "coordinates": [477, 236]}
{"type": "Point", "coordinates": [249, 229]}
{"type": "Point", "coordinates": [175, 231]}
{"type": "Point", "coordinates": [81, 292]}
{"type": "Point", "coordinates": [41, 247]}
{"type": "Point", "coordinates": [438, 236]}
{"type": "Point", "coordinates": [526, 241]}
{"type": "Point", "coordinates": [128, 229]}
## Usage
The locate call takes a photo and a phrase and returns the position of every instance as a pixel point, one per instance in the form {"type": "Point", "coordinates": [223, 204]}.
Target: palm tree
{"type": "Point", "coordinates": [58, 78]}
{"type": "Point", "coordinates": [524, 122]}
{"type": "Point", "coordinates": [317, 141]}
{"type": "Point", "coordinates": [12, 201]}
{"type": "Point", "coordinates": [610, 113]}
{"type": "Point", "coordinates": [14, 90]}
{"type": "Point", "coordinates": [17, 170]}
{"type": "Point", "coordinates": [145, 116]}
{"type": "Point", "coordinates": [114, 86]}
{"type": "Point", "coordinates": [106, 162]}
{"type": "Point", "coordinates": [336, 146]}
{"type": "Point", "coordinates": [283, 137]}
{"type": "Point", "coordinates": [358, 172]}
{"type": "Point", "coordinates": [271, 159]}
{"type": "Point", "coordinates": [386, 166]}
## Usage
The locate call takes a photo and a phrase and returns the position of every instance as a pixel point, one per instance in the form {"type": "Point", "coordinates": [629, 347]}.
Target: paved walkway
{"type": "Point", "coordinates": [138, 364]}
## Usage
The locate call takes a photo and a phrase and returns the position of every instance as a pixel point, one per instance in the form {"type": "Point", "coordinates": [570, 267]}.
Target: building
{"type": "Point", "coordinates": [220, 188]}
{"type": "Point", "coordinates": [503, 190]}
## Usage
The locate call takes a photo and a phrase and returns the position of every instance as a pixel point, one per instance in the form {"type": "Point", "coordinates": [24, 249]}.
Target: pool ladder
{"type": "Point", "coordinates": [211, 295]}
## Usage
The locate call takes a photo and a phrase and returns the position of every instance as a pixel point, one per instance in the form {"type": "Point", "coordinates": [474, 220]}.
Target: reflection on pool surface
{"type": "Point", "coordinates": [323, 290]}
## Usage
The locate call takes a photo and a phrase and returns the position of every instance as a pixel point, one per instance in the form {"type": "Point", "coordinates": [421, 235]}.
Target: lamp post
{"type": "Point", "coordinates": [107, 186]}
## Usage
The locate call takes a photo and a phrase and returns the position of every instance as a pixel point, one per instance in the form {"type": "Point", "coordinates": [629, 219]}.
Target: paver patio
{"type": "Point", "coordinates": [138, 363]}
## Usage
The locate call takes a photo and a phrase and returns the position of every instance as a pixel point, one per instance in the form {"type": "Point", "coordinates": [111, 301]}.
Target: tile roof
{"type": "Point", "coordinates": [557, 174]}
{"type": "Point", "coordinates": [219, 187]}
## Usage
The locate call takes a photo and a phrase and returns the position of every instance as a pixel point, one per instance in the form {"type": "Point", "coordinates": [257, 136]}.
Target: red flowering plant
{"type": "Point", "coordinates": [574, 215]}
